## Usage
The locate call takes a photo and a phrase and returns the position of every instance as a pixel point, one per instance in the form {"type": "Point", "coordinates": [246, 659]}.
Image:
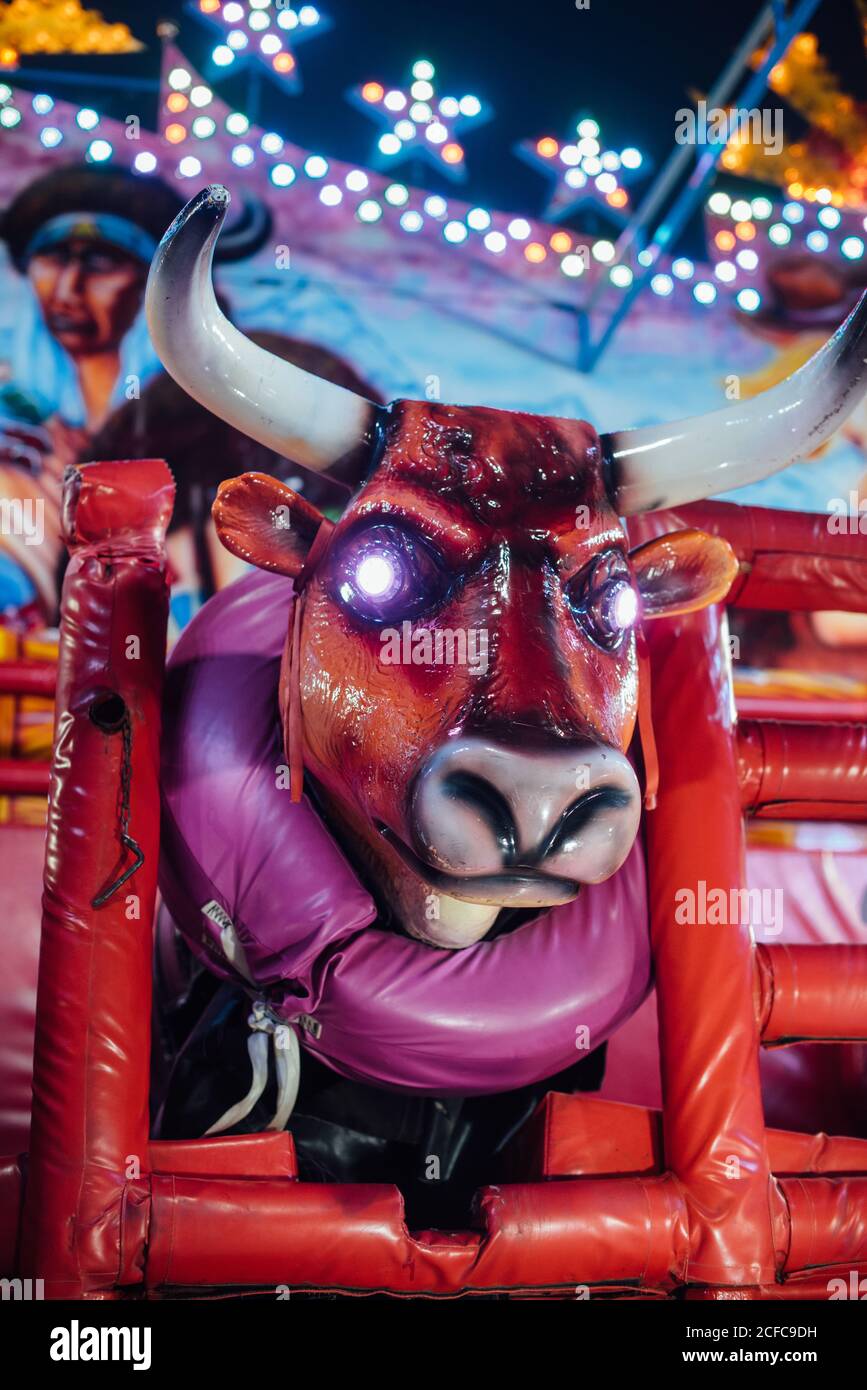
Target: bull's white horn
{"type": "Point", "coordinates": [667, 465]}
{"type": "Point", "coordinates": [311, 421]}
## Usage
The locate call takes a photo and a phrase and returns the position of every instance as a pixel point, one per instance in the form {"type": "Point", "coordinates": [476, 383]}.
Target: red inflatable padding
{"type": "Point", "coordinates": [91, 1064]}
{"type": "Point", "coordinates": [28, 678]}
{"type": "Point", "coordinates": [828, 1222]}
{"type": "Point", "coordinates": [99, 1218]}
{"type": "Point", "coordinates": [545, 1236]}
{"type": "Point", "coordinates": [785, 763]}
{"type": "Point", "coordinates": [827, 710]}
{"type": "Point", "coordinates": [11, 1191]}
{"type": "Point", "coordinates": [576, 1136]}
{"type": "Point", "coordinates": [708, 1028]}
{"type": "Point", "coordinates": [29, 778]}
{"type": "Point", "coordinates": [266, 1155]}
{"type": "Point", "coordinates": [811, 993]}
{"type": "Point", "coordinates": [22, 854]}
{"type": "Point", "coordinates": [807, 1287]}
{"type": "Point", "coordinates": [789, 560]}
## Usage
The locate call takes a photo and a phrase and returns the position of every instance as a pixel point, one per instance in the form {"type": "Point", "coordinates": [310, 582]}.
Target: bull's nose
{"type": "Point", "coordinates": [480, 808]}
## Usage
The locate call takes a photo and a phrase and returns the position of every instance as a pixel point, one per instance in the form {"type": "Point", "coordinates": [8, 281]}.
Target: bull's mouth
{"type": "Point", "coordinates": [522, 887]}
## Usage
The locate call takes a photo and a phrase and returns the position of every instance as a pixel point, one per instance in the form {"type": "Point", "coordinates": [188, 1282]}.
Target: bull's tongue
{"type": "Point", "coordinates": [457, 924]}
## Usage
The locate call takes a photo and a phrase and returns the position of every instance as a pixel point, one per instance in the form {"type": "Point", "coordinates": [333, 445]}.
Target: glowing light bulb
{"type": "Point", "coordinates": [749, 300]}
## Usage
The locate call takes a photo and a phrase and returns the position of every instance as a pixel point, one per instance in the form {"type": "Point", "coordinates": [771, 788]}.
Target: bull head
{"type": "Point", "coordinates": [500, 779]}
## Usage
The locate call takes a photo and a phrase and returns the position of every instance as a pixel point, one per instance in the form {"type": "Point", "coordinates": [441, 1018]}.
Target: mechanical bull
{"type": "Point", "coordinates": [486, 806]}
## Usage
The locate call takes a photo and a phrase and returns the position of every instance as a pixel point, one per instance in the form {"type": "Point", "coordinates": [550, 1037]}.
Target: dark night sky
{"type": "Point", "coordinates": [630, 63]}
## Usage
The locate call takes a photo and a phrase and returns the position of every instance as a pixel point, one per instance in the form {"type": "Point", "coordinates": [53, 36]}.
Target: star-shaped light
{"type": "Point", "coordinates": [585, 172]}
{"type": "Point", "coordinates": [418, 122]}
{"type": "Point", "coordinates": [261, 30]}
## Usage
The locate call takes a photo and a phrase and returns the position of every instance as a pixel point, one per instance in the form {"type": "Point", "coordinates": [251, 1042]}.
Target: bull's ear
{"type": "Point", "coordinates": [682, 571]}
{"type": "Point", "coordinates": [264, 522]}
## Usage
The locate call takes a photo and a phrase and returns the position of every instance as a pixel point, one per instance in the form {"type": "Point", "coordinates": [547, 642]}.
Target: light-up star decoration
{"type": "Point", "coordinates": [263, 31]}
{"type": "Point", "coordinates": [418, 123]}
{"type": "Point", "coordinates": [585, 173]}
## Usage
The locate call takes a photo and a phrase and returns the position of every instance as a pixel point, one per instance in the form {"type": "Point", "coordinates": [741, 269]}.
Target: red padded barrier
{"type": "Point", "coordinates": [107, 1210]}
{"type": "Point", "coordinates": [22, 852]}
{"type": "Point", "coordinates": [11, 1191]}
{"type": "Point", "coordinates": [542, 1236]}
{"type": "Point", "coordinates": [828, 1222]}
{"type": "Point", "coordinates": [783, 764]}
{"type": "Point", "coordinates": [266, 1155]}
{"type": "Point", "coordinates": [815, 993]}
{"type": "Point", "coordinates": [580, 1136]}
{"type": "Point", "coordinates": [20, 776]}
{"type": "Point", "coordinates": [829, 709]}
{"type": "Point", "coordinates": [90, 1084]}
{"type": "Point", "coordinates": [788, 560]}
{"type": "Point", "coordinates": [28, 678]}
{"type": "Point", "coordinates": [714, 1127]}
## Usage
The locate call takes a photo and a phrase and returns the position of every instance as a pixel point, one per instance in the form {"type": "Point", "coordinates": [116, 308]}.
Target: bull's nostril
{"type": "Point", "coordinates": [576, 816]}
{"type": "Point", "coordinates": [491, 805]}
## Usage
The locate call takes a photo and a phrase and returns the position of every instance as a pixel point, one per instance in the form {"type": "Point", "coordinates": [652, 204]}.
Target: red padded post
{"type": "Point", "coordinates": [715, 1141]}
{"type": "Point", "coordinates": [90, 1083]}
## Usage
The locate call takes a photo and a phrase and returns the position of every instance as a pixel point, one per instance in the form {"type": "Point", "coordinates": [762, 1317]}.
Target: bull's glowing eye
{"type": "Point", "coordinates": [624, 609]}
{"type": "Point", "coordinates": [604, 600]}
{"type": "Point", "coordinates": [383, 572]}
{"type": "Point", "coordinates": [375, 576]}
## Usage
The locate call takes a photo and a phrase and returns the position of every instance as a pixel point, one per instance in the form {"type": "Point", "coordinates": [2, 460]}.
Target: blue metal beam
{"type": "Point", "coordinates": [705, 165]}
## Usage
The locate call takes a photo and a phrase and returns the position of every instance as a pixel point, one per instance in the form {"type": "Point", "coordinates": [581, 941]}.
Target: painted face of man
{"type": "Point", "coordinates": [89, 293]}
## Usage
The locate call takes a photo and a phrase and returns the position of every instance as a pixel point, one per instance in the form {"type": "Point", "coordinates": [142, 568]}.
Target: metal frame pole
{"type": "Point", "coordinates": [690, 196]}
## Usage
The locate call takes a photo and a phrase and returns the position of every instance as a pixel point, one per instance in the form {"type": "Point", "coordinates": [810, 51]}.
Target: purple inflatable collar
{"type": "Point", "coordinates": [264, 895]}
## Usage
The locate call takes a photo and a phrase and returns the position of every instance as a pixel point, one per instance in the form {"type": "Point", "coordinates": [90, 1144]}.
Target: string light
{"type": "Point", "coordinates": [193, 117]}
{"type": "Point", "coordinates": [662, 285]}
{"type": "Point", "coordinates": [748, 300]}
{"type": "Point", "coordinates": [817, 240]}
